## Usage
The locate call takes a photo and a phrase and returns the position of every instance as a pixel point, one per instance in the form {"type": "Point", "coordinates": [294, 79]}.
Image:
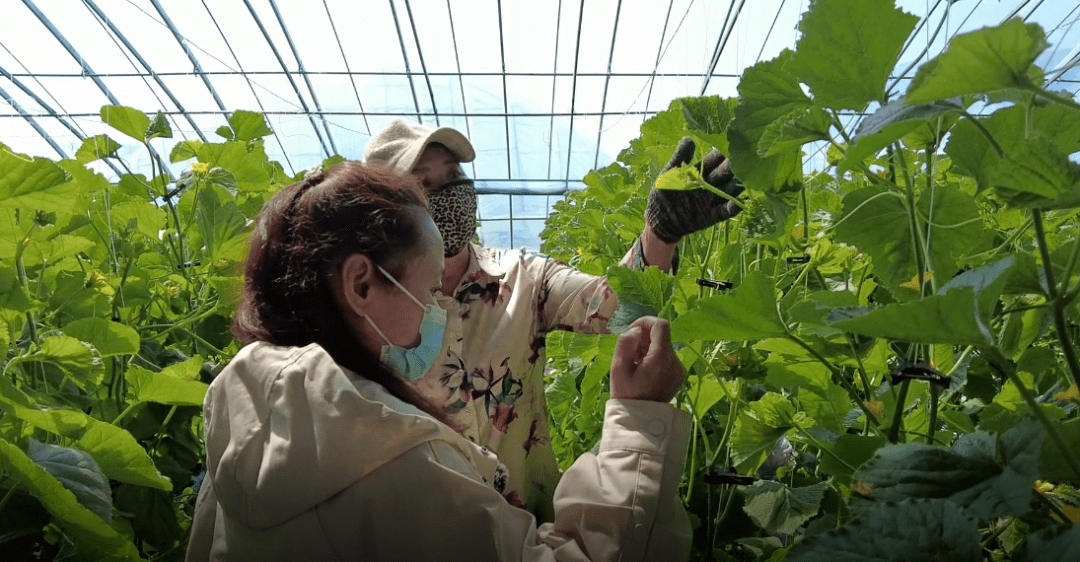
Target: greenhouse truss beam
{"type": "Point", "coordinates": [506, 103]}
{"type": "Point", "coordinates": [405, 60]}
{"type": "Point", "coordinates": [33, 123]}
{"type": "Point", "coordinates": [131, 48]}
{"type": "Point", "coordinates": [289, 77]}
{"type": "Point", "coordinates": [461, 83]}
{"type": "Point", "coordinates": [254, 94]}
{"type": "Point", "coordinates": [554, 82]}
{"type": "Point", "coordinates": [607, 81]}
{"type": "Point", "coordinates": [721, 42]}
{"type": "Point", "coordinates": [307, 78]}
{"type": "Point", "coordinates": [52, 113]}
{"type": "Point", "coordinates": [423, 65]}
{"type": "Point", "coordinates": [659, 53]}
{"type": "Point", "coordinates": [388, 73]}
{"type": "Point", "coordinates": [348, 69]}
{"type": "Point", "coordinates": [573, 92]}
{"type": "Point", "coordinates": [85, 66]}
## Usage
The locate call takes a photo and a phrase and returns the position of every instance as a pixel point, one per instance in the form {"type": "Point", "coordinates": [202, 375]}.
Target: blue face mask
{"type": "Point", "coordinates": [411, 364]}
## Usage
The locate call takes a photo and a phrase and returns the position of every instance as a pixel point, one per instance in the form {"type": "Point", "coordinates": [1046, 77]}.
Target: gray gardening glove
{"type": "Point", "coordinates": [674, 214]}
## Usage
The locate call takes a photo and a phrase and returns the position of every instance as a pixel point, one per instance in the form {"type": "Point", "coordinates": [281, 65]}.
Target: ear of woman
{"type": "Point", "coordinates": [353, 286]}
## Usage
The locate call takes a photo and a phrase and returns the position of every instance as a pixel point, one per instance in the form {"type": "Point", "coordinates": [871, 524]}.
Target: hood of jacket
{"type": "Point", "coordinates": [287, 428]}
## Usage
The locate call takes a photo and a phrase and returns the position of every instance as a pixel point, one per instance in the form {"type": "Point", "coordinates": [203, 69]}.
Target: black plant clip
{"type": "Point", "coordinates": [726, 476]}
{"type": "Point", "coordinates": [798, 260]}
{"type": "Point", "coordinates": [720, 285]}
{"type": "Point", "coordinates": [921, 372]}
{"type": "Point", "coordinates": [189, 264]}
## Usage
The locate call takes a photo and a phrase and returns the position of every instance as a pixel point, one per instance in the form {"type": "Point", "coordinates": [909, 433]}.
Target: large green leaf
{"type": "Point", "coordinates": [707, 120]}
{"type": "Point", "coordinates": [769, 92]}
{"type": "Point", "coordinates": [89, 530]}
{"type": "Point", "coordinates": [145, 217]}
{"type": "Point", "coordinates": [248, 125]}
{"type": "Point", "coordinates": [127, 120]}
{"type": "Point", "coordinates": [778, 508]}
{"type": "Point", "coordinates": [951, 223]}
{"type": "Point", "coordinates": [96, 148]}
{"type": "Point", "coordinates": [704, 393]}
{"type": "Point", "coordinates": [758, 428]}
{"type": "Point", "coordinates": [650, 287]}
{"type": "Point", "coordinates": [78, 472]}
{"type": "Point", "coordinates": [1034, 174]}
{"type": "Point", "coordinates": [850, 451]}
{"type": "Point", "coordinates": [593, 396]}
{"type": "Point", "coordinates": [163, 388]}
{"type": "Point", "coordinates": [876, 222]}
{"type": "Point", "coordinates": [108, 338]}
{"type": "Point", "coordinates": [159, 128]}
{"type": "Point", "coordinates": [247, 168]}
{"type": "Point", "coordinates": [222, 227]}
{"type": "Point", "coordinates": [987, 477]}
{"type": "Point", "coordinates": [1054, 466]}
{"type": "Point", "coordinates": [980, 62]}
{"type": "Point", "coordinates": [749, 313]}
{"type": "Point", "coordinates": [972, 152]}
{"type": "Point", "coordinates": [848, 48]}
{"type": "Point", "coordinates": [898, 532]}
{"type": "Point", "coordinates": [118, 454]}
{"type": "Point", "coordinates": [889, 124]}
{"type": "Point", "coordinates": [799, 128]}
{"type": "Point", "coordinates": [958, 313]}
{"type": "Point", "coordinates": [71, 356]}
{"type": "Point", "coordinates": [50, 251]}
{"type": "Point", "coordinates": [34, 183]}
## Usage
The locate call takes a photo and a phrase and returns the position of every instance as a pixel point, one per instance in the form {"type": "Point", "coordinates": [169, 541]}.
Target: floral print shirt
{"type": "Point", "coordinates": [490, 376]}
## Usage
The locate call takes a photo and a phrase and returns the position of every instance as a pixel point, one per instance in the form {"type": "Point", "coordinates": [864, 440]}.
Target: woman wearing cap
{"type": "Point", "coordinates": [501, 304]}
{"type": "Point", "coordinates": [317, 448]}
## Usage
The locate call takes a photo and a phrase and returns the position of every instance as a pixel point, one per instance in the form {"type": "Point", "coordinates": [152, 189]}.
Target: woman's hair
{"type": "Point", "coordinates": [303, 235]}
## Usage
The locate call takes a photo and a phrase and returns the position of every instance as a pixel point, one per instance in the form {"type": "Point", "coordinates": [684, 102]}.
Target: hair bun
{"type": "Point", "coordinates": [314, 175]}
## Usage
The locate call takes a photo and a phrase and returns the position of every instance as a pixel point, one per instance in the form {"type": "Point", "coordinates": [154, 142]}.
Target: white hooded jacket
{"type": "Point", "coordinates": [309, 461]}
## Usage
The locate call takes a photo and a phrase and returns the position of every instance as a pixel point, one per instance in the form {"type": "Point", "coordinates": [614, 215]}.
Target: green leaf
{"type": "Point", "coordinates": [34, 183]}
{"type": "Point", "coordinates": [891, 532]}
{"type": "Point", "coordinates": [969, 474]}
{"type": "Point", "coordinates": [707, 120]}
{"type": "Point", "coordinates": [146, 218]}
{"type": "Point", "coordinates": [48, 252]}
{"type": "Point", "coordinates": [13, 295]}
{"type": "Point", "coordinates": [778, 508]}
{"type": "Point", "coordinates": [221, 224]}
{"type": "Point", "coordinates": [801, 127]}
{"type": "Point", "coordinates": [685, 178]}
{"type": "Point", "coordinates": [185, 150]}
{"type": "Point", "coordinates": [703, 394]}
{"type": "Point", "coordinates": [90, 531]}
{"type": "Point", "coordinates": [973, 154]}
{"type": "Point", "coordinates": [945, 319]}
{"type": "Point", "coordinates": [71, 356]}
{"type": "Point", "coordinates": [749, 313]}
{"type": "Point", "coordinates": [78, 472]}
{"type": "Point", "coordinates": [951, 220]}
{"type": "Point", "coordinates": [593, 396]}
{"type": "Point", "coordinates": [163, 388]}
{"type": "Point", "coordinates": [650, 287]}
{"type": "Point", "coordinates": [96, 148]}
{"type": "Point", "coordinates": [118, 454]}
{"type": "Point", "coordinates": [758, 428]}
{"type": "Point", "coordinates": [248, 125]}
{"type": "Point", "coordinates": [980, 62]}
{"type": "Point", "coordinates": [1054, 466]}
{"type": "Point", "coordinates": [1034, 174]}
{"type": "Point", "coordinates": [854, 451]}
{"type": "Point", "coordinates": [108, 338]}
{"type": "Point", "coordinates": [769, 92]}
{"type": "Point", "coordinates": [1054, 545]}
{"type": "Point", "coordinates": [159, 128]}
{"type": "Point", "coordinates": [891, 123]}
{"type": "Point", "coordinates": [247, 168]}
{"type": "Point", "coordinates": [848, 48]}
{"type": "Point", "coordinates": [127, 120]}
{"type": "Point", "coordinates": [876, 222]}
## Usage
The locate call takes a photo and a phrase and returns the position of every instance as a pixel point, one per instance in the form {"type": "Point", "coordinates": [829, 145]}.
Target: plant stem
{"type": "Point", "coordinates": [131, 407]}
{"type": "Point", "coordinates": [934, 390]}
{"type": "Point", "coordinates": [693, 460]}
{"type": "Point", "coordinates": [898, 415]}
{"type": "Point", "coordinates": [998, 532]}
{"type": "Point", "coordinates": [7, 497]}
{"type": "Point", "coordinates": [821, 447]}
{"type": "Point", "coordinates": [986, 132]}
{"type": "Point", "coordinates": [1052, 96]}
{"type": "Point", "coordinates": [838, 375]}
{"type": "Point", "coordinates": [1056, 306]}
{"type": "Point", "coordinates": [1001, 364]}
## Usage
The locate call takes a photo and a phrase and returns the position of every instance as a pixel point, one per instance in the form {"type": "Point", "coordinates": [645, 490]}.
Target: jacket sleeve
{"type": "Point", "coordinates": [619, 504]}
{"type": "Point", "coordinates": [571, 300]}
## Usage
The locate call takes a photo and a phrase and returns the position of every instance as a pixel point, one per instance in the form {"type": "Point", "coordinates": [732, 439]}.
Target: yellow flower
{"type": "Point", "coordinates": [914, 283]}
{"type": "Point", "coordinates": [172, 291]}
{"type": "Point", "coordinates": [876, 407]}
{"type": "Point", "coordinates": [1071, 394]}
{"type": "Point", "coordinates": [200, 168]}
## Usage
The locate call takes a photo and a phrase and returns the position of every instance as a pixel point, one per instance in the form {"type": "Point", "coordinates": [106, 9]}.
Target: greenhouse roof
{"type": "Point", "coordinates": [546, 90]}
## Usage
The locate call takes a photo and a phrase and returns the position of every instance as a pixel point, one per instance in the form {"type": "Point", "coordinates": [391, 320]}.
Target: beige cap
{"type": "Point", "coordinates": [400, 145]}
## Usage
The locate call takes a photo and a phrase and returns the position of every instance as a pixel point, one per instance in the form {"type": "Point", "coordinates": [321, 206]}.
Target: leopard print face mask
{"type": "Point", "coordinates": [453, 208]}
